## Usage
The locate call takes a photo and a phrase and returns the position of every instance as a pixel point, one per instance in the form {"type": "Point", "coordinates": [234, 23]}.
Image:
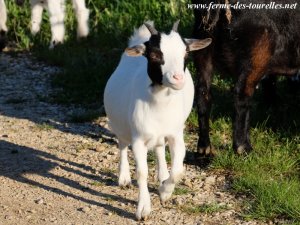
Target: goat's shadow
{"type": "Point", "coordinates": [18, 160]}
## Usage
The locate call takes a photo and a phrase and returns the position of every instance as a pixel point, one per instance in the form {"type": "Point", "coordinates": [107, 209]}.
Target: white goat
{"type": "Point", "coordinates": [3, 28]}
{"type": "Point", "coordinates": [56, 9]}
{"type": "Point", "coordinates": [147, 100]}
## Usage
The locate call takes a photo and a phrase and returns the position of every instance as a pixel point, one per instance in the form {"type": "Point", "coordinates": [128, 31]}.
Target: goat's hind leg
{"type": "Point", "coordinates": [162, 167]}
{"type": "Point", "coordinates": [82, 15]}
{"type": "Point", "coordinates": [177, 148]}
{"type": "Point", "coordinates": [244, 90]}
{"type": "Point", "coordinates": [57, 14]}
{"type": "Point", "coordinates": [37, 7]}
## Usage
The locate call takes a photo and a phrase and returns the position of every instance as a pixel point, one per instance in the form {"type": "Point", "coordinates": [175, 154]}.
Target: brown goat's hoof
{"type": "Point", "coordinates": [243, 150]}
{"type": "Point", "coordinates": [207, 151]}
{"type": "Point", "coordinates": [204, 156]}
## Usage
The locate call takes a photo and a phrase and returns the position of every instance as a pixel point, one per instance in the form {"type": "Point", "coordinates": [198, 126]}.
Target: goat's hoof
{"type": "Point", "coordinates": [164, 194]}
{"type": "Point", "coordinates": [35, 29]}
{"type": "Point", "coordinates": [143, 212]}
{"type": "Point", "coordinates": [164, 197]}
{"type": "Point", "coordinates": [54, 43]}
{"type": "Point", "coordinates": [124, 181]}
{"type": "Point", "coordinates": [243, 149]}
{"type": "Point", "coordinates": [207, 151]}
{"type": "Point", "coordinates": [126, 184]}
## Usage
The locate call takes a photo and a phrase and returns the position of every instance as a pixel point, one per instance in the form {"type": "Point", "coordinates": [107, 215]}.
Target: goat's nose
{"type": "Point", "coordinates": [178, 77]}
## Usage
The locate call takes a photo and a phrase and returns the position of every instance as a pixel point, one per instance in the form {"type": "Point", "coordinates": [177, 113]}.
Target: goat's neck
{"type": "Point", "coordinates": [160, 94]}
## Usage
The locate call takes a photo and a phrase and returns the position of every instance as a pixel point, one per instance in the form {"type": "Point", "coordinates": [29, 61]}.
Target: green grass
{"type": "Point", "coordinates": [269, 176]}
{"type": "Point", "coordinates": [44, 127]}
{"type": "Point", "coordinates": [179, 190]}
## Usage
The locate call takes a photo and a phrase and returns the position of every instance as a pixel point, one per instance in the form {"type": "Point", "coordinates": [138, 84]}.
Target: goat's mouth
{"type": "Point", "coordinates": [175, 85]}
{"type": "Point", "coordinates": [173, 81]}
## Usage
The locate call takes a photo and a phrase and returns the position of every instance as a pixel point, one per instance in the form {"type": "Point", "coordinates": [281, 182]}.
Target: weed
{"type": "Point", "coordinates": [44, 127]}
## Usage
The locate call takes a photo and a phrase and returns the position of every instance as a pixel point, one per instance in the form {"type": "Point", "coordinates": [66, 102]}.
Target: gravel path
{"type": "Point", "coordinates": [56, 172]}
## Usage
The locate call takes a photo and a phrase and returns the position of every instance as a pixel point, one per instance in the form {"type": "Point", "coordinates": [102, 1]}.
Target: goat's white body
{"type": "Point", "coordinates": [136, 109]}
{"type": "Point", "coordinates": [3, 16]}
{"type": "Point", "coordinates": [145, 117]}
{"type": "Point", "coordinates": [56, 9]}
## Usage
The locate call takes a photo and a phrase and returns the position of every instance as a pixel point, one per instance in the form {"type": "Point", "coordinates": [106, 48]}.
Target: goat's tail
{"type": "Point", "coordinates": [140, 35]}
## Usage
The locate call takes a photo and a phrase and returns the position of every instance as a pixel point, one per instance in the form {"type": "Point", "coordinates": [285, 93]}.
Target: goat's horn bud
{"type": "Point", "coordinates": [152, 30]}
{"type": "Point", "coordinates": [175, 26]}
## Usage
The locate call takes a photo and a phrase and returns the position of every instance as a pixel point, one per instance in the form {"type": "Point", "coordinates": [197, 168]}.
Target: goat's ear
{"type": "Point", "coordinates": [196, 44]}
{"type": "Point", "coordinates": [136, 50]}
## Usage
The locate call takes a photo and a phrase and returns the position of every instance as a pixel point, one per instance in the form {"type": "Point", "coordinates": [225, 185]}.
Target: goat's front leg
{"type": "Point", "coordinates": [204, 67]}
{"type": "Point", "coordinates": [177, 149]}
{"type": "Point", "coordinates": [82, 15]}
{"type": "Point", "coordinates": [57, 14]}
{"type": "Point", "coordinates": [241, 140]}
{"type": "Point", "coordinates": [124, 169]}
{"type": "Point", "coordinates": [140, 154]}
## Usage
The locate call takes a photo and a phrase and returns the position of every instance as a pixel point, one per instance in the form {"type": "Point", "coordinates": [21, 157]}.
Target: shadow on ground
{"type": "Point", "coordinates": [16, 161]}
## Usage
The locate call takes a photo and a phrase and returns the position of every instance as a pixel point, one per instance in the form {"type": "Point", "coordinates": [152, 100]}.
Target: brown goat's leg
{"type": "Point", "coordinates": [269, 90]}
{"type": "Point", "coordinates": [244, 89]}
{"type": "Point", "coordinates": [203, 63]}
{"type": "Point", "coordinates": [241, 140]}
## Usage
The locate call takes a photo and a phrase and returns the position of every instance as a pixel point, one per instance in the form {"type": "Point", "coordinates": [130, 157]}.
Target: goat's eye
{"type": "Point", "coordinates": [155, 57]}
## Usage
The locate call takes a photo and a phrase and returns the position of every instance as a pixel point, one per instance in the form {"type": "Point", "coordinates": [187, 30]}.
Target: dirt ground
{"type": "Point", "coordinates": [53, 171]}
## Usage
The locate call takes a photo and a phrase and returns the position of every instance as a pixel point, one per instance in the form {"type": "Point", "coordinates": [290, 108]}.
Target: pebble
{"type": "Point", "coordinates": [188, 183]}
{"type": "Point", "coordinates": [85, 209]}
{"type": "Point", "coordinates": [52, 219]}
{"type": "Point", "coordinates": [100, 148]}
{"type": "Point", "coordinates": [211, 180]}
{"type": "Point", "coordinates": [39, 201]}
{"type": "Point", "coordinates": [32, 211]}
{"type": "Point", "coordinates": [8, 217]}
{"type": "Point", "coordinates": [219, 194]}
{"type": "Point", "coordinates": [178, 201]}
